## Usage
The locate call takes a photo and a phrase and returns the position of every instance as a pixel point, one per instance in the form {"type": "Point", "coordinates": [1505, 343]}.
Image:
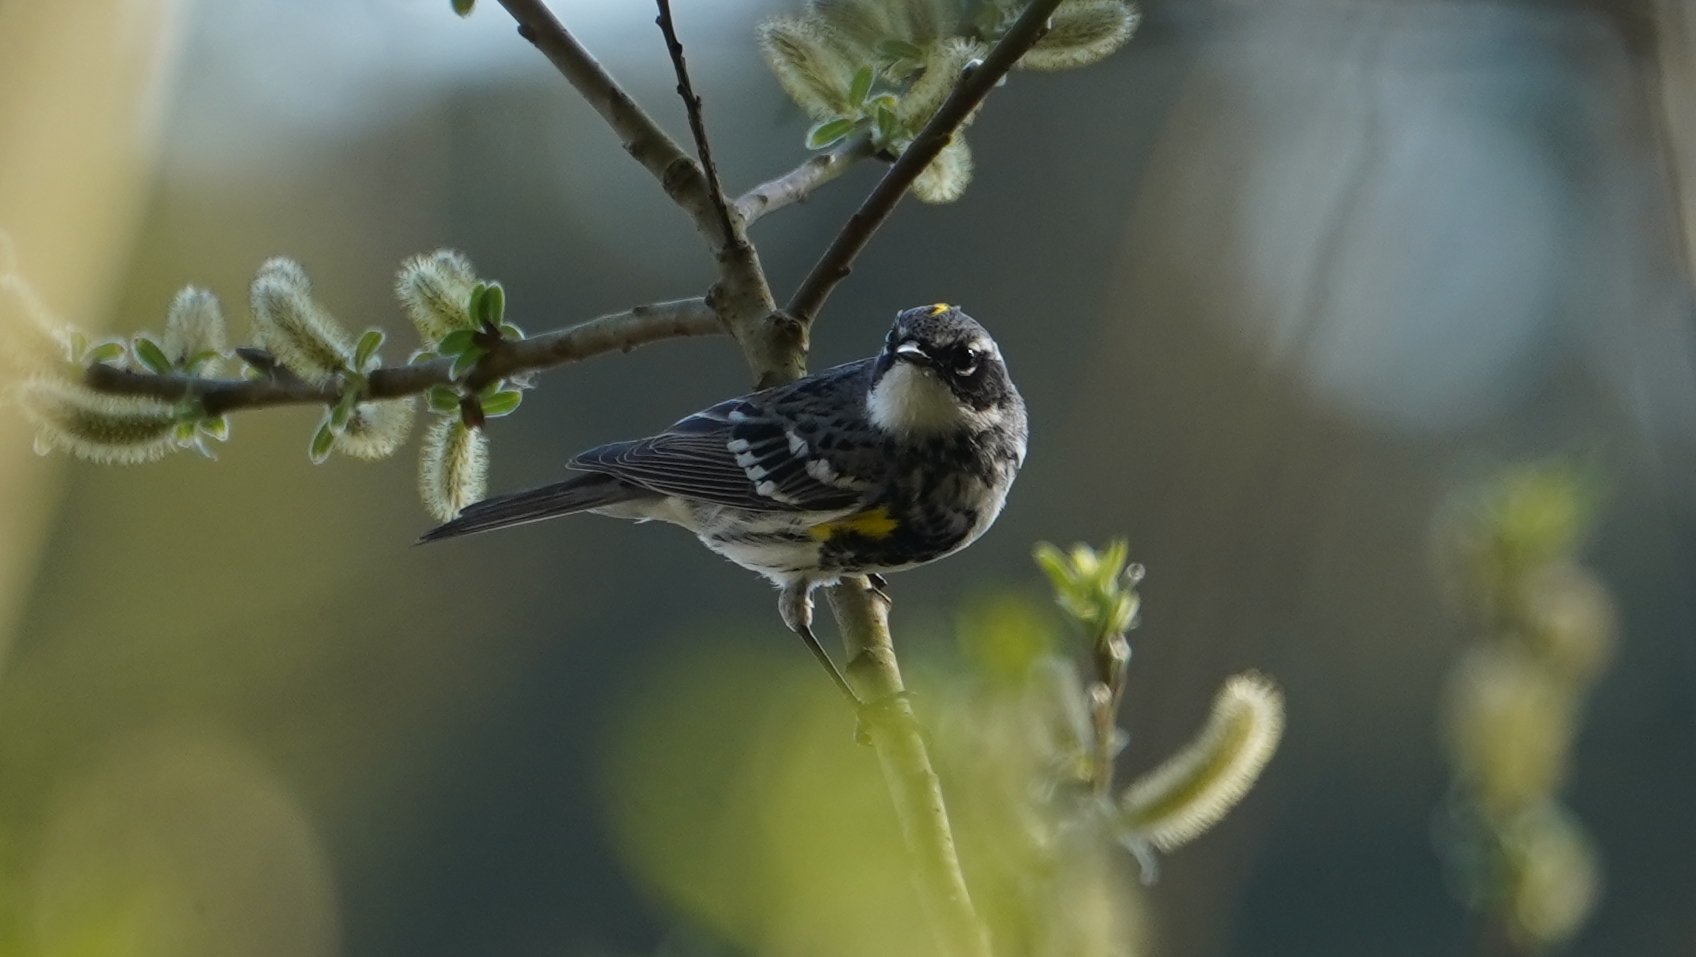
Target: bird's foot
{"type": "Point", "coordinates": [871, 714]}
{"type": "Point", "coordinates": [879, 586]}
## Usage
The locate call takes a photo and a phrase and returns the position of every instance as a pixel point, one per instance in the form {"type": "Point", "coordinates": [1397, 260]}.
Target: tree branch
{"type": "Point", "coordinates": [618, 332]}
{"type": "Point", "coordinates": [680, 176]}
{"type": "Point", "coordinates": [697, 124]}
{"type": "Point", "coordinates": [798, 184]}
{"type": "Point", "coordinates": [774, 345]}
{"type": "Point", "coordinates": [969, 93]}
{"type": "Point", "coordinates": [863, 619]}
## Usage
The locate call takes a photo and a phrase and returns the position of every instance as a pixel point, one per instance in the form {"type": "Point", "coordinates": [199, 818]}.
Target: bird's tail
{"type": "Point", "coordinates": [550, 501]}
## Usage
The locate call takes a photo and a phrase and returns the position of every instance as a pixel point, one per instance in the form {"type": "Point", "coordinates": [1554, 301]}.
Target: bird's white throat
{"type": "Point", "coordinates": [910, 402]}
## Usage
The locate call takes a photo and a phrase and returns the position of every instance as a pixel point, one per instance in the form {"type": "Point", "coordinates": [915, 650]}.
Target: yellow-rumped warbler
{"type": "Point", "coordinates": [870, 467]}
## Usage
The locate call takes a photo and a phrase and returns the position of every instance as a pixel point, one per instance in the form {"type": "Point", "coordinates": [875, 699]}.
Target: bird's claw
{"type": "Point", "coordinates": [872, 713]}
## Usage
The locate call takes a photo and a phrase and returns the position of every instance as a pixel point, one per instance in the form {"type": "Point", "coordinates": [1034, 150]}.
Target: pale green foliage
{"type": "Point", "coordinates": [196, 338]}
{"type": "Point", "coordinates": [1082, 32]}
{"type": "Point", "coordinates": [881, 68]}
{"type": "Point", "coordinates": [464, 7]}
{"type": "Point", "coordinates": [435, 290]}
{"type": "Point", "coordinates": [1094, 587]}
{"type": "Point", "coordinates": [1193, 789]}
{"type": "Point", "coordinates": [295, 328]}
{"type": "Point", "coordinates": [1515, 699]}
{"type": "Point", "coordinates": [119, 429]}
{"type": "Point", "coordinates": [453, 467]}
{"type": "Point", "coordinates": [1508, 724]}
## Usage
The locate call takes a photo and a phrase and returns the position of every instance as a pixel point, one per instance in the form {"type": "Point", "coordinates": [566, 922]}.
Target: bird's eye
{"type": "Point", "coordinates": [968, 364]}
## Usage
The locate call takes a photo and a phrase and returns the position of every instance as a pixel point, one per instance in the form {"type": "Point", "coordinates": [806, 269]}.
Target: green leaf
{"type": "Point", "coordinates": [510, 331]}
{"type": "Point", "coordinates": [367, 349]}
{"type": "Point", "coordinates": [321, 442]}
{"type": "Point", "coordinates": [861, 87]}
{"type": "Point", "coordinates": [491, 306]}
{"type": "Point", "coordinates": [422, 356]}
{"type": "Point", "coordinates": [104, 352]}
{"type": "Point", "coordinates": [217, 427]}
{"type": "Point", "coordinates": [888, 125]}
{"type": "Point", "coordinates": [502, 403]}
{"type": "Point", "coordinates": [894, 49]}
{"type": "Point", "coordinates": [343, 411]}
{"type": "Point", "coordinates": [463, 7]}
{"type": "Point", "coordinates": [474, 302]}
{"type": "Point", "coordinates": [150, 355]}
{"type": "Point", "coordinates": [829, 133]}
{"type": "Point", "coordinates": [443, 398]}
{"type": "Point", "coordinates": [456, 342]}
{"type": "Point", "coordinates": [79, 346]}
{"type": "Point", "coordinates": [192, 364]}
{"type": "Point", "coordinates": [467, 361]}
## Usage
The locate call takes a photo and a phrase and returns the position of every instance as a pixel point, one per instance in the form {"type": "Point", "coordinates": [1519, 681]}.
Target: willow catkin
{"type": "Point", "coordinates": [122, 429]}
{"type": "Point", "coordinates": [812, 62]}
{"type": "Point", "coordinates": [452, 467]}
{"type": "Point", "coordinates": [1192, 790]}
{"type": "Point", "coordinates": [947, 176]}
{"type": "Point", "coordinates": [1082, 32]}
{"type": "Point", "coordinates": [195, 331]}
{"type": "Point", "coordinates": [377, 430]}
{"type": "Point", "coordinates": [294, 328]}
{"type": "Point", "coordinates": [942, 65]}
{"type": "Point", "coordinates": [435, 289]}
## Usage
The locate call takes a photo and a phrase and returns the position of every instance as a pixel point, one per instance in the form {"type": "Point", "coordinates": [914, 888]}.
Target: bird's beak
{"type": "Point", "coordinates": [912, 352]}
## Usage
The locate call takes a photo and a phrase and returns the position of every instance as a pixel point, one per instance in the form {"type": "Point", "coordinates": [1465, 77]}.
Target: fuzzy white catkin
{"type": "Point", "coordinates": [813, 63]}
{"type": "Point", "coordinates": [122, 429]}
{"type": "Point", "coordinates": [1192, 790]}
{"type": "Point", "coordinates": [870, 22]}
{"type": "Point", "coordinates": [453, 467]}
{"type": "Point", "coordinates": [943, 63]}
{"type": "Point", "coordinates": [294, 328]}
{"type": "Point", "coordinates": [31, 339]}
{"type": "Point", "coordinates": [947, 176]}
{"type": "Point", "coordinates": [195, 326]}
{"type": "Point", "coordinates": [1083, 32]}
{"type": "Point", "coordinates": [435, 290]}
{"type": "Point", "coordinates": [377, 430]}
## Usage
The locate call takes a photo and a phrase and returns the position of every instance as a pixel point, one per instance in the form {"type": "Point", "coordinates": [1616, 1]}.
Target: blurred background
{"type": "Point", "coordinates": [1277, 280]}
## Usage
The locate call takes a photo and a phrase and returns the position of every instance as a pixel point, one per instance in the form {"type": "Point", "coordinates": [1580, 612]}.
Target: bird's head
{"type": "Point", "coordinates": [939, 372]}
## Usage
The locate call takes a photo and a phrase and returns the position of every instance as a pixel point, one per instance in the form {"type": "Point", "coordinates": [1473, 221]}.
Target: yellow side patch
{"type": "Point", "coordinates": [940, 308]}
{"type": "Point", "coordinates": [875, 523]}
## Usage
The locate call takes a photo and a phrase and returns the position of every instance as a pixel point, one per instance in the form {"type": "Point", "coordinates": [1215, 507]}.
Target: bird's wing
{"type": "Point", "coordinates": [745, 452]}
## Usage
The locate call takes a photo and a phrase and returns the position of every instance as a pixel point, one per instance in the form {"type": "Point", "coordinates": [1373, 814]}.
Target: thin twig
{"type": "Point", "coordinates": [797, 184]}
{"type": "Point", "coordinates": [774, 345]}
{"type": "Point", "coordinates": [697, 124]}
{"type": "Point", "coordinates": [975, 84]}
{"type": "Point", "coordinates": [619, 332]}
{"type": "Point", "coordinates": [679, 174]}
{"type": "Point", "coordinates": [863, 619]}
